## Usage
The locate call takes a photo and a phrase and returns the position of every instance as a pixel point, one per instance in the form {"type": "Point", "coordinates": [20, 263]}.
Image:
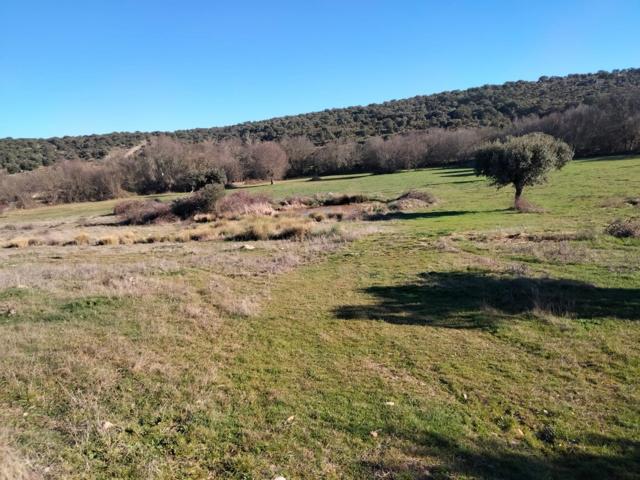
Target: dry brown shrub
{"type": "Point", "coordinates": [141, 212]}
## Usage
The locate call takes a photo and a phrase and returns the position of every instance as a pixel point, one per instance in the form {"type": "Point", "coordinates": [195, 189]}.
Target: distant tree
{"type": "Point", "coordinates": [522, 161]}
{"type": "Point", "coordinates": [299, 150]}
{"type": "Point", "coordinates": [267, 160]}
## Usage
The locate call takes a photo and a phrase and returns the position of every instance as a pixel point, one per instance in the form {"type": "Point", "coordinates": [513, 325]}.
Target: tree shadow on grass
{"type": "Point", "coordinates": [333, 179]}
{"type": "Point", "coordinates": [458, 174]}
{"type": "Point", "coordinates": [461, 300]}
{"type": "Point", "coordinates": [416, 215]}
{"type": "Point", "coordinates": [496, 460]}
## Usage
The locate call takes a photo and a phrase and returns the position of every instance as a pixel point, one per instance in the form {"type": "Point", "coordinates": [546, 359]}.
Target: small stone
{"type": "Point", "coordinates": [248, 247]}
{"type": "Point", "coordinates": [291, 418]}
{"type": "Point", "coordinates": [107, 426]}
{"type": "Point", "coordinates": [519, 433]}
{"type": "Point", "coordinates": [390, 404]}
{"type": "Point", "coordinates": [464, 395]}
{"type": "Point", "coordinates": [374, 434]}
{"type": "Point", "coordinates": [279, 477]}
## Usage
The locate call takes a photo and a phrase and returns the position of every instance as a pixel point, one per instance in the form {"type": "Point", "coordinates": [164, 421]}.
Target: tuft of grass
{"type": "Point", "coordinates": [82, 239]}
{"type": "Point", "coordinates": [108, 240]}
{"type": "Point", "coordinates": [18, 242]}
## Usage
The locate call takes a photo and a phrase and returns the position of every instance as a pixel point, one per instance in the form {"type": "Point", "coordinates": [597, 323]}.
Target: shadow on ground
{"type": "Point", "coordinates": [462, 300]}
{"type": "Point", "coordinates": [495, 460]}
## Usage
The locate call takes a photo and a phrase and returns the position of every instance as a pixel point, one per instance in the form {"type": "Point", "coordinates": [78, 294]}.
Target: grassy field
{"type": "Point", "coordinates": [460, 341]}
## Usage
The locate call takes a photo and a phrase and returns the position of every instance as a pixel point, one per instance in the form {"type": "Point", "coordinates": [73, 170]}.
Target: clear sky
{"type": "Point", "coordinates": [96, 66]}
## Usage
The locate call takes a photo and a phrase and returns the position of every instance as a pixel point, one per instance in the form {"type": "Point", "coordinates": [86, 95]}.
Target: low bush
{"type": "Point", "coordinates": [202, 201]}
{"type": "Point", "coordinates": [142, 212]}
{"type": "Point", "coordinates": [629, 228]}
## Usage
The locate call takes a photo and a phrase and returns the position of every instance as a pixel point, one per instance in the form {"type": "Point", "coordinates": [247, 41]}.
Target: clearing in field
{"type": "Point", "coordinates": [363, 334]}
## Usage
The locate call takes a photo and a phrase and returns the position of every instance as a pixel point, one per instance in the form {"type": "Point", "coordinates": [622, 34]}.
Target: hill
{"type": "Point", "coordinates": [489, 105]}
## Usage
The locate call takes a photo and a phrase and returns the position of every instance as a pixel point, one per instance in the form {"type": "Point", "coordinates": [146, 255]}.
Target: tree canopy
{"type": "Point", "coordinates": [522, 161]}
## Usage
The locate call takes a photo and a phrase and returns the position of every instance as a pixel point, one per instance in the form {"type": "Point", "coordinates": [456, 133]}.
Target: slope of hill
{"type": "Point", "coordinates": [489, 105]}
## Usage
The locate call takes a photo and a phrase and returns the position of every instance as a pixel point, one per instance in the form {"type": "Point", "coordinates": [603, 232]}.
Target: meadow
{"type": "Point", "coordinates": [459, 340]}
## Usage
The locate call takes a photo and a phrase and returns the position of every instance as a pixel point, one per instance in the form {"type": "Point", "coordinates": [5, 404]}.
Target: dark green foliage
{"type": "Point", "coordinates": [202, 201]}
{"type": "Point", "coordinates": [522, 161]}
{"type": "Point", "coordinates": [195, 180]}
{"type": "Point", "coordinates": [489, 106]}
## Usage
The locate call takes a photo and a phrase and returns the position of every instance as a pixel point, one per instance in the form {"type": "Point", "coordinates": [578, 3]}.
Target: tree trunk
{"type": "Point", "coordinates": [519, 189]}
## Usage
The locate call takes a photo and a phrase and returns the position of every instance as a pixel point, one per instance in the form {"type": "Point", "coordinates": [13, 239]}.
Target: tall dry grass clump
{"type": "Point", "coordinates": [243, 203]}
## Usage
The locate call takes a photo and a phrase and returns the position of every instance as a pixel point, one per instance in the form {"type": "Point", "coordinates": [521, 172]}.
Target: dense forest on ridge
{"type": "Point", "coordinates": [495, 106]}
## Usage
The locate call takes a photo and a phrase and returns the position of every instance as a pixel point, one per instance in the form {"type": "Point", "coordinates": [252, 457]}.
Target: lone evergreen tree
{"type": "Point", "coordinates": [522, 161]}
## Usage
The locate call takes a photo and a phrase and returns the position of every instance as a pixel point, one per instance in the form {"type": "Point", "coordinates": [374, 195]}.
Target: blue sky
{"type": "Point", "coordinates": [96, 66]}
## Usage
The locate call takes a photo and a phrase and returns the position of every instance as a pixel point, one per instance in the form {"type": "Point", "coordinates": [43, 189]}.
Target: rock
{"type": "Point", "coordinates": [389, 404]}
{"type": "Point", "coordinates": [248, 247]}
{"type": "Point", "coordinates": [374, 434]}
{"type": "Point", "coordinates": [519, 433]}
{"type": "Point", "coordinates": [291, 418]}
{"type": "Point", "coordinates": [107, 426]}
{"type": "Point", "coordinates": [279, 477]}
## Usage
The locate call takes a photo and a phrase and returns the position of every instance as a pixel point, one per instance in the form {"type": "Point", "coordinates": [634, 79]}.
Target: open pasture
{"type": "Point", "coordinates": [457, 340]}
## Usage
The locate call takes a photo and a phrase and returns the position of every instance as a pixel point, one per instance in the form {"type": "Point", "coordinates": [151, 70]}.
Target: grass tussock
{"type": "Point", "coordinates": [243, 203]}
{"type": "Point", "coordinates": [413, 199]}
{"type": "Point", "coordinates": [522, 205]}
{"type": "Point", "coordinates": [324, 200]}
{"type": "Point", "coordinates": [284, 229]}
{"type": "Point", "coordinates": [629, 228]}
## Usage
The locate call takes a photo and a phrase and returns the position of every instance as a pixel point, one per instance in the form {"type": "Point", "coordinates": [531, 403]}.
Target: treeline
{"type": "Point", "coordinates": [494, 106]}
{"type": "Point", "coordinates": [164, 163]}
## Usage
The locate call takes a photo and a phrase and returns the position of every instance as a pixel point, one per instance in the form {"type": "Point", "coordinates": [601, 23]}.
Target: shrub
{"type": "Point", "coordinates": [202, 201]}
{"type": "Point", "coordinates": [142, 212]}
{"type": "Point", "coordinates": [629, 228]}
{"type": "Point", "coordinates": [123, 207]}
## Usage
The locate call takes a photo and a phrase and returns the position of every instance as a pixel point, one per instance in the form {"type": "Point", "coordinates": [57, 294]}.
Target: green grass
{"type": "Point", "coordinates": [439, 347]}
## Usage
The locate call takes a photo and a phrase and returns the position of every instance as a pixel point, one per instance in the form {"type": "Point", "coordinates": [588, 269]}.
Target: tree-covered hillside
{"type": "Point", "coordinates": [489, 105]}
